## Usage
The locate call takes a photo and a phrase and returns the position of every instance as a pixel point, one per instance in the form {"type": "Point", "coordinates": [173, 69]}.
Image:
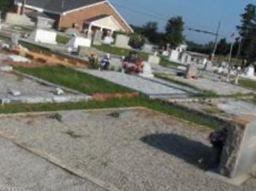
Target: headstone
{"type": "Point", "coordinates": [174, 55]}
{"type": "Point", "coordinates": [108, 40]}
{"type": "Point", "coordinates": [239, 154]}
{"type": "Point", "coordinates": [148, 48]}
{"type": "Point", "coordinates": [165, 53]}
{"type": "Point", "coordinates": [14, 39]}
{"type": "Point", "coordinates": [97, 39]}
{"type": "Point", "coordinates": [147, 71]}
{"type": "Point", "coordinates": [153, 59]}
{"type": "Point", "coordinates": [250, 72]}
{"type": "Point", "coordinates": [44, 36]}
{"type": "Point", "coordinates": [77, 42]}
{"type": "Point", "coordinates": [192, 72]}
{"type": "Point", "coordinates": [122, 41]}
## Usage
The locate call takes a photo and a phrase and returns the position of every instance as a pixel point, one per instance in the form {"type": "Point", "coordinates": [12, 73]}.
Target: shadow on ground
{"type": "Point", "coordinates": [193, 152]}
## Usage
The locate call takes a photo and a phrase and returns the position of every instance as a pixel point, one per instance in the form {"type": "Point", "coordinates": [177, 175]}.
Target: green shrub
{"type": "Point", "coordinates": [137, 41]}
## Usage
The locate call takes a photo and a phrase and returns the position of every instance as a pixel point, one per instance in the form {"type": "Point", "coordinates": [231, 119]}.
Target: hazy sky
{"type": "Point", "coordinates": [202, 14]}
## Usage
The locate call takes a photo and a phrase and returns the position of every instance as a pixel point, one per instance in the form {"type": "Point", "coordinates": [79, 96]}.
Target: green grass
{"type": "Point", "coordinates": [62, 39]}
{"type": "Point", "coordinates": [89, 84]}
{"type": "Point", "coordinates": [166, 63]}
{"type": "Point", "coordinates": [119, 51]}
{"type": "Point", "coordinates": [247, 83]}
{"type": "Point", "coordinates": [156, 105]}
{"type": "Point", "coordinates": [75, 80]}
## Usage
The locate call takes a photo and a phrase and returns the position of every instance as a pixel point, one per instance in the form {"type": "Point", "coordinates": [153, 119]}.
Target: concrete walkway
{"type": "Point", "coordinates": [152, 88]}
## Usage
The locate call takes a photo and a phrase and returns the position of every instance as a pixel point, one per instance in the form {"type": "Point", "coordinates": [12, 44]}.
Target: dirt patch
{"type": "Point", "coordinates": [108, 96]}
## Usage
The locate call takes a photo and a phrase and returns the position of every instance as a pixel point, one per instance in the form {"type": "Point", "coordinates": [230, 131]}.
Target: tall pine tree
{"type": "Point", "coordinates": [247, 32]}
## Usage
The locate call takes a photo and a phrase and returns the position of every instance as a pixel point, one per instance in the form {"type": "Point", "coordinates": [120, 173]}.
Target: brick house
{"type": "Point", "coordinates": [87, 15]}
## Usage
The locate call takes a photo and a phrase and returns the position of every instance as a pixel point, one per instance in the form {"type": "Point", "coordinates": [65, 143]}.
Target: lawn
{"type": "Point", "coordinates": [89, 85]}
{"type": "Point", "coordinates": [73, 79]}
{"type": "Point", "coordinates": [247, 83]}
{"type": "Point", "coordinates": [166, 63]}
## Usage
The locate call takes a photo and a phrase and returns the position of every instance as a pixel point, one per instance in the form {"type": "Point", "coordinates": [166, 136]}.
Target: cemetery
{"type": "Point", "coordinates": [19, 88]}
{"type": "Point", "coordinates": [111, 151]}
{"type": "Point", "coordinates": [155, 117]}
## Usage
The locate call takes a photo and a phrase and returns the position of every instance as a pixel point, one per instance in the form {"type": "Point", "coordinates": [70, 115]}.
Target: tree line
{"type": "Point", "coordinates": [244, 47]}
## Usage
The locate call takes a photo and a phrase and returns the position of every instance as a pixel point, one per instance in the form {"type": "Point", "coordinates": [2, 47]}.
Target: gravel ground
{"type": "Point", "coordinates": [22, 171]}
{"type": "Point", "coordinates": [146, 86]}
{"type": "Point", "coordinates": [125, 149]}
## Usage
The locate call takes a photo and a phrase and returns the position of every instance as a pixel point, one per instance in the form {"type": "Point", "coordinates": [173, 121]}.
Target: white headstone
{"type": "Point", "coordinates": [76, 42]}
{"type": "Point", "coordinates": [108, 40]}
{"type": "Point", "coordinates": [44, 36]}
{"type": "Point", "coordinates": [147, 71]}
{"type": "Point", "coordinates": [122, 41]}
{"type": "Point", "coordinates": [250, 72]}
{"type": "Point", "coordinates": [152, 59]}
{"type": "Point", "coordinates": [174, 56]}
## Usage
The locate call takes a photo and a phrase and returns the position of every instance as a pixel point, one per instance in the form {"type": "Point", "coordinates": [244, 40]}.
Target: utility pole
{"type": "Point", "coordinates": [216, 40]}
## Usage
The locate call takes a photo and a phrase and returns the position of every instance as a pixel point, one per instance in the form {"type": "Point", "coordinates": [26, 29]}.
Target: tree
{"type": "Point", "coordinates": [247, 31]}
{"type": "Point", "coordinates": [5, 5]}
{"type": "Point", "coordinates": [149, 30]}
{"type": "Point", "coordinates": [136, 41]}
{"type": "Point", "coordinates": [174, 31]}
{"type": "Point", "coordinates": [223, 47]}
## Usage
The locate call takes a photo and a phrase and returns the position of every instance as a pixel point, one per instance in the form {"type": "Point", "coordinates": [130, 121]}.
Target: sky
{"type": "Point", "coordinates": [201, 14]}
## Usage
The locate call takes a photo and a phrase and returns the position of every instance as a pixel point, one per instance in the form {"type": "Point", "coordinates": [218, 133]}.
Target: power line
{"type": "Point", "coordinates": [144, 13]}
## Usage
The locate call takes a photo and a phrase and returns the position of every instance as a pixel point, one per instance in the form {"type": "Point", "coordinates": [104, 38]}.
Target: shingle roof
{"type": "Point", "coordinates": [59, 6]}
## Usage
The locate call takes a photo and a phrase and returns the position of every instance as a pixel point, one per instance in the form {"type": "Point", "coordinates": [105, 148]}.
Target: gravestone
{"type": "Point", "coordinates": [97, 39]}
{"type": "Point", "coordinates": [147, 71]}
{"type": "Point", "coordinates": [239, 153]}
{"type": "Point", "coordinates": [174, 56]}
{"type": "Point", "coordinates": [148, 48]}
{"type": "Point", "coordinates": [153, 59]}
{"type": "Point", "coordinates": [250, 72]}
{"type": "Point", "coordinates": [122, 41]}
{"type": "Point", "coordinates": [191, 72]}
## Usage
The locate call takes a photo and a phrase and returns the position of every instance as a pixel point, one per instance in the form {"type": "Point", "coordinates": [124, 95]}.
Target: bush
{"type": "Point", "coordinates": [137, 41]}
{"type": "Point", "coordinates": [61, 39]}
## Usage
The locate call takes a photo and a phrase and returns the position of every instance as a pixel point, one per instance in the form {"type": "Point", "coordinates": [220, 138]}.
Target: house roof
{"type": "Point", "coordinates": [59, 6]}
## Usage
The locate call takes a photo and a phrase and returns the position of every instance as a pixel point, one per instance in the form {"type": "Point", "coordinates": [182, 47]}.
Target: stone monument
{"type": "Point", "coordinates": [238, 157]}
{"type": "Point", "coordinates": [250, 72]}
{"type": "Point", "coordinates": [154, 59]}
{"type": "Point", "coordinates": [192, 72]}
{"type": "Point", "coordinates": [122, 41]}
{"type": "Point", "coordinates": [174, 56]}
{"type": "Point", "coordinates": [147, 71]}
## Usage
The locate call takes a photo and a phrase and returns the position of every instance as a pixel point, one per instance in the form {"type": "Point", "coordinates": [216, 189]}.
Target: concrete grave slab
{"type": "Point", "coordinates": [120, 149]}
